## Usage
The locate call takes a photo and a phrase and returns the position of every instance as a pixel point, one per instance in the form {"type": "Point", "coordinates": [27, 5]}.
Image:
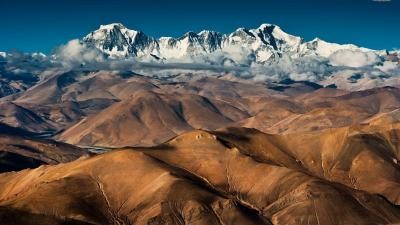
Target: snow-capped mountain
{"type": "Point", "coordinates": [325, 49]}
{"type": "Point", "coordinates": [116, 40]}
{"type": "Point", "coordinates": [263, 44]}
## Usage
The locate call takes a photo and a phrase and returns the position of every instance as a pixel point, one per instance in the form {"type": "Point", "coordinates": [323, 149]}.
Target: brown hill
{"type": "Point", "coordinates": [63, 98]}
{"type": "Point", "coordinates": [19, 150]}
{"type": "Point", "coordinates": [235, 176]}
{"type": "Point", "coordinates": [18, 116]}
{"type": "Point", "coordinates": [353, 156]}
{"type": "Point", "coordinates": [325, 108]}
{"type": "Point", "coordinates": [148, 117]}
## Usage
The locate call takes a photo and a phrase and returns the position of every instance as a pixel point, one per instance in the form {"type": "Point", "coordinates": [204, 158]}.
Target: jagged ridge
{"type": "Point", "coordinates": [263, 44]}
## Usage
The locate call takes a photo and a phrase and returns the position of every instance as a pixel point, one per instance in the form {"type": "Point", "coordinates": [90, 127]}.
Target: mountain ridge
{"type": "Point", "coordinates": [264, 44]}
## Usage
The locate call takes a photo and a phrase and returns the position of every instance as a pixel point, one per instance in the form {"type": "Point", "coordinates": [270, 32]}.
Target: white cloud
{"type": "Point", "coordinates": [306, 68]}
{"type": "Point", "coordinates": [389, 67]}
{"type": "Point", "coordinates": [353, 58]}
{"type": "Point", "coordinates": [75, 53]}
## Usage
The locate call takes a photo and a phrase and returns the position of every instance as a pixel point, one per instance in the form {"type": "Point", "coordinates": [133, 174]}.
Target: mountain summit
{"type": "Point", "coordinates": [115, 40]}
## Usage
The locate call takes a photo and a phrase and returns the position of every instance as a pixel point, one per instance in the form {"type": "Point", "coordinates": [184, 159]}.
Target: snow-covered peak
{"type": "Point", "coordinates": [39, 55]}
{"type": "Point", "coordinates": [325, 49]}
{"type": "Point", "coordinates": [208, 32]}
{"type": "Point", "coordinates": [189, 34]}
{"type": "Point", "coordinates": [33, 55]}
{"type": "Point", "coordinates": [112, 26]}
{"type": "Point", "coordinates": [266, 25]}
{"type": "Point", "coordinates": [241, 32]}
{"type": "Point", "coordinates": [165, 38]}
{"type": "Point", "coordinates": [274, 36]}
{"type": "Point", "coordinates": [116, 41]}
{"type": "Point", "coordinates": [115, 29]}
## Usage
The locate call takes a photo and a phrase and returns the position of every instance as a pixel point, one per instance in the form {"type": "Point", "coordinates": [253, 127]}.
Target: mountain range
{"type": "Point", "coordinates": [264, 44]}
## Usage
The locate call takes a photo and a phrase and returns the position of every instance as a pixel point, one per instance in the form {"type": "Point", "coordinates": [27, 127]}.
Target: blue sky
{"type": "Point", "coordinates": [41, 25]}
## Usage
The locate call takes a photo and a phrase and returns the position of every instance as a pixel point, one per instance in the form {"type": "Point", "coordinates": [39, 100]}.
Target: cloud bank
{"type": "Point", "coordinates": [76, 55]}
{"type": "Point", "coordinates": [353, 58]}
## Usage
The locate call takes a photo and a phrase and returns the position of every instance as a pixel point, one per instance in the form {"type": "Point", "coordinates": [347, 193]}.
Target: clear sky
{"type": "Point", "coordinates": [40, 25]}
